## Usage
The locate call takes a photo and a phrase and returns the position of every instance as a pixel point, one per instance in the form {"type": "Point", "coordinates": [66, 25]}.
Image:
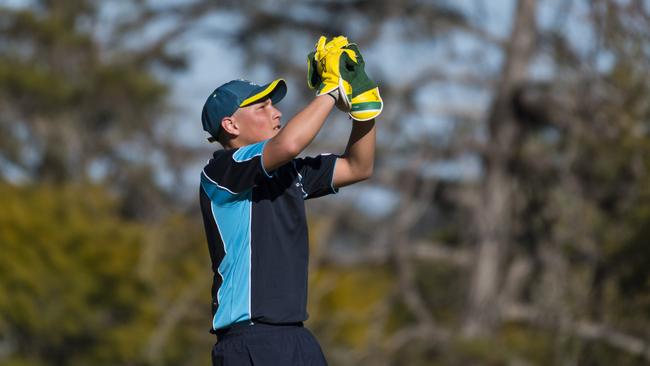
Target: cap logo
{"type": "Point", "coordinates": [247, 82]}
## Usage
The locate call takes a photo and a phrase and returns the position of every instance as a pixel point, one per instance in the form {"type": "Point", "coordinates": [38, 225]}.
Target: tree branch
{"type": "Point", "coordinates": [580, 328]}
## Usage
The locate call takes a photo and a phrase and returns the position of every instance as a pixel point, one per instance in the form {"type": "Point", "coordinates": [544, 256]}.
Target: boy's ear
{"type": "Point", "coordinates": [229, 125]}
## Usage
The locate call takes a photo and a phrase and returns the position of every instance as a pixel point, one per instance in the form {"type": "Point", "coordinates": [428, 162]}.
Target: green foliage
{"type": "Point", "coordinates": [115, 274]}
{"type": "Point", "coordinates": [68, 276]}
{"type": "Point", "coordinates": [71, 282]}
{"type": "Point", "coordinates": [513, 342]}
{"type": "Point", "coordinates": [76, 100]}
{"type": "Point", "coordinates": [443, 287]}
{"type": "Point", "coordinates": [345, 304]}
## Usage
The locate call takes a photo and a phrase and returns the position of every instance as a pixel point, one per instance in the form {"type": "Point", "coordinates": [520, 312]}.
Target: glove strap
{"type": "Point", "coordinates": [334, 94]}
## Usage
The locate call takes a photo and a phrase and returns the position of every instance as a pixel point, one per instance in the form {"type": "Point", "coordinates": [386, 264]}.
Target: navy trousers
{"type": "Point", "coordinates": [267, 345]}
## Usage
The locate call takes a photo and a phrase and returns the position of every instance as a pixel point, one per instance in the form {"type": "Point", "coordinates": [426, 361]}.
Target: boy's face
{"type": "Point", "coordinates": [257, 122]}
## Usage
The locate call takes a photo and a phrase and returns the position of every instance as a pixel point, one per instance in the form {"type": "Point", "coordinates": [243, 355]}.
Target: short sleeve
{"type": "Point", "coordinates": [316, 175]}
{"type": "Point", "coordinates": [236, 170]}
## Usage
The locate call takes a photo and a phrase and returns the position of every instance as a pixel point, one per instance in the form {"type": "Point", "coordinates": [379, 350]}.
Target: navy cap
{"type": "Point", "coordinates": [226, 99]}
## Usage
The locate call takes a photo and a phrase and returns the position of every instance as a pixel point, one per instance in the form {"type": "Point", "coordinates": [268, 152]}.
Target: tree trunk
{"type": "Point", "coordinates": [493, 212]}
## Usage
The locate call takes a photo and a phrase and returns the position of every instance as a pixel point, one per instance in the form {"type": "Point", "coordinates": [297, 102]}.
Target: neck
{"type": "Point", "coordinates": [232, 144]}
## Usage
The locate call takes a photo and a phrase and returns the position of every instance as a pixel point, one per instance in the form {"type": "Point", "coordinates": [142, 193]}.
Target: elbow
{"type": "Point", "coordinates": [291, 148]}
{"type": "Point", "coordinates": [287, 148]}
{"type": "Point", "coordinates": [362, 170]}
{"type": "Point", "coordinates": [278, 152]}
{"type": "Point", "coordinates": [366, 173]}
{"type": "Point", "coordinates": [370, 169]}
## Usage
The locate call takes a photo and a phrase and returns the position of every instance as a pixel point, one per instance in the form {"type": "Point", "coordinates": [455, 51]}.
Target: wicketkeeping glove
{"type": "Point", "coordinates": [337, 68]}
{"type": "Point", "coordinates": [365, 101]}
{"type": "Point", "coordinates": [324, 69]}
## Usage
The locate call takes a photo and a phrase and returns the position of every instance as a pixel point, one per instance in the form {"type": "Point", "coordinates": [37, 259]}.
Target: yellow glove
{"type": "Point", "coordinates": [324, 66]}
{"type": "Point", "coordinates": [337, 68]}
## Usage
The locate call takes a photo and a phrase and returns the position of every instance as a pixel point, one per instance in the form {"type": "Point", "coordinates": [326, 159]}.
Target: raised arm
{"type": "Point", "coordinates": [336, 68]}
{"type": "Point", "coordinates": [357, 162]}
{"type": "Point", "coordinates": [297, 133]}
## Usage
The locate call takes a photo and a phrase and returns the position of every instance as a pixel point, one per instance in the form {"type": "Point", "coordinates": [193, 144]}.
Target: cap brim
{"type": "Point", "coordinates": [276, 90]}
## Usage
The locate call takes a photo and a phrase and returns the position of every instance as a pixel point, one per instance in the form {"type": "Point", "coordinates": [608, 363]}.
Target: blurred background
{"type": "Point", "coordinates": [507, 221]}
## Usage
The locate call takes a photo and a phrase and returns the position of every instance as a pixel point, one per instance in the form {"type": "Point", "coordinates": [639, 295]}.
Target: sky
{"type": "Point", "coordinates": [214, 60]}
{"type": "Point", "coordinates": [207, 69]}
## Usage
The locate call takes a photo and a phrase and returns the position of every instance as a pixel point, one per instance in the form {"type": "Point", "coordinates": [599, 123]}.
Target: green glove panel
{"type": "Point", "coordinates": [313, 77]}
{"type": "Point", "coordinates": [365, 100]}
{"type": "Point", "coordinates": [338, 66]}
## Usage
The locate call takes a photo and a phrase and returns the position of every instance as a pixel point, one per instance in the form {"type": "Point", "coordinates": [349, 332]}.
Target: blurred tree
{"type": "Point", "coordinates": [76, 106]}
{"type": "Point", "coordinates": [559, 157]}
{"type": "Point", "coordinates": [537, 255]}
{"type": "Point", "coordinates": [109, 272]}
{"type": "Point", "coordinates": [67, 300]}
{"type": "Point", "coordinates": [81, 285]}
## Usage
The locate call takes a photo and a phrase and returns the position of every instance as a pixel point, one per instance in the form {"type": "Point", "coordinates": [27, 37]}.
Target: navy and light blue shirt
{"type": "Point", "coordinates": [257, 233]}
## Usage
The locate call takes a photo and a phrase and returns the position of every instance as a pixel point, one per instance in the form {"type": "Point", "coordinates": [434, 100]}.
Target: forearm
{"type": "Point", "coordinates": [304, 126]}
{"type": "Point", "coordinates": [360, 151]}
{"type": "Point", "coordinates": [298, 133]}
